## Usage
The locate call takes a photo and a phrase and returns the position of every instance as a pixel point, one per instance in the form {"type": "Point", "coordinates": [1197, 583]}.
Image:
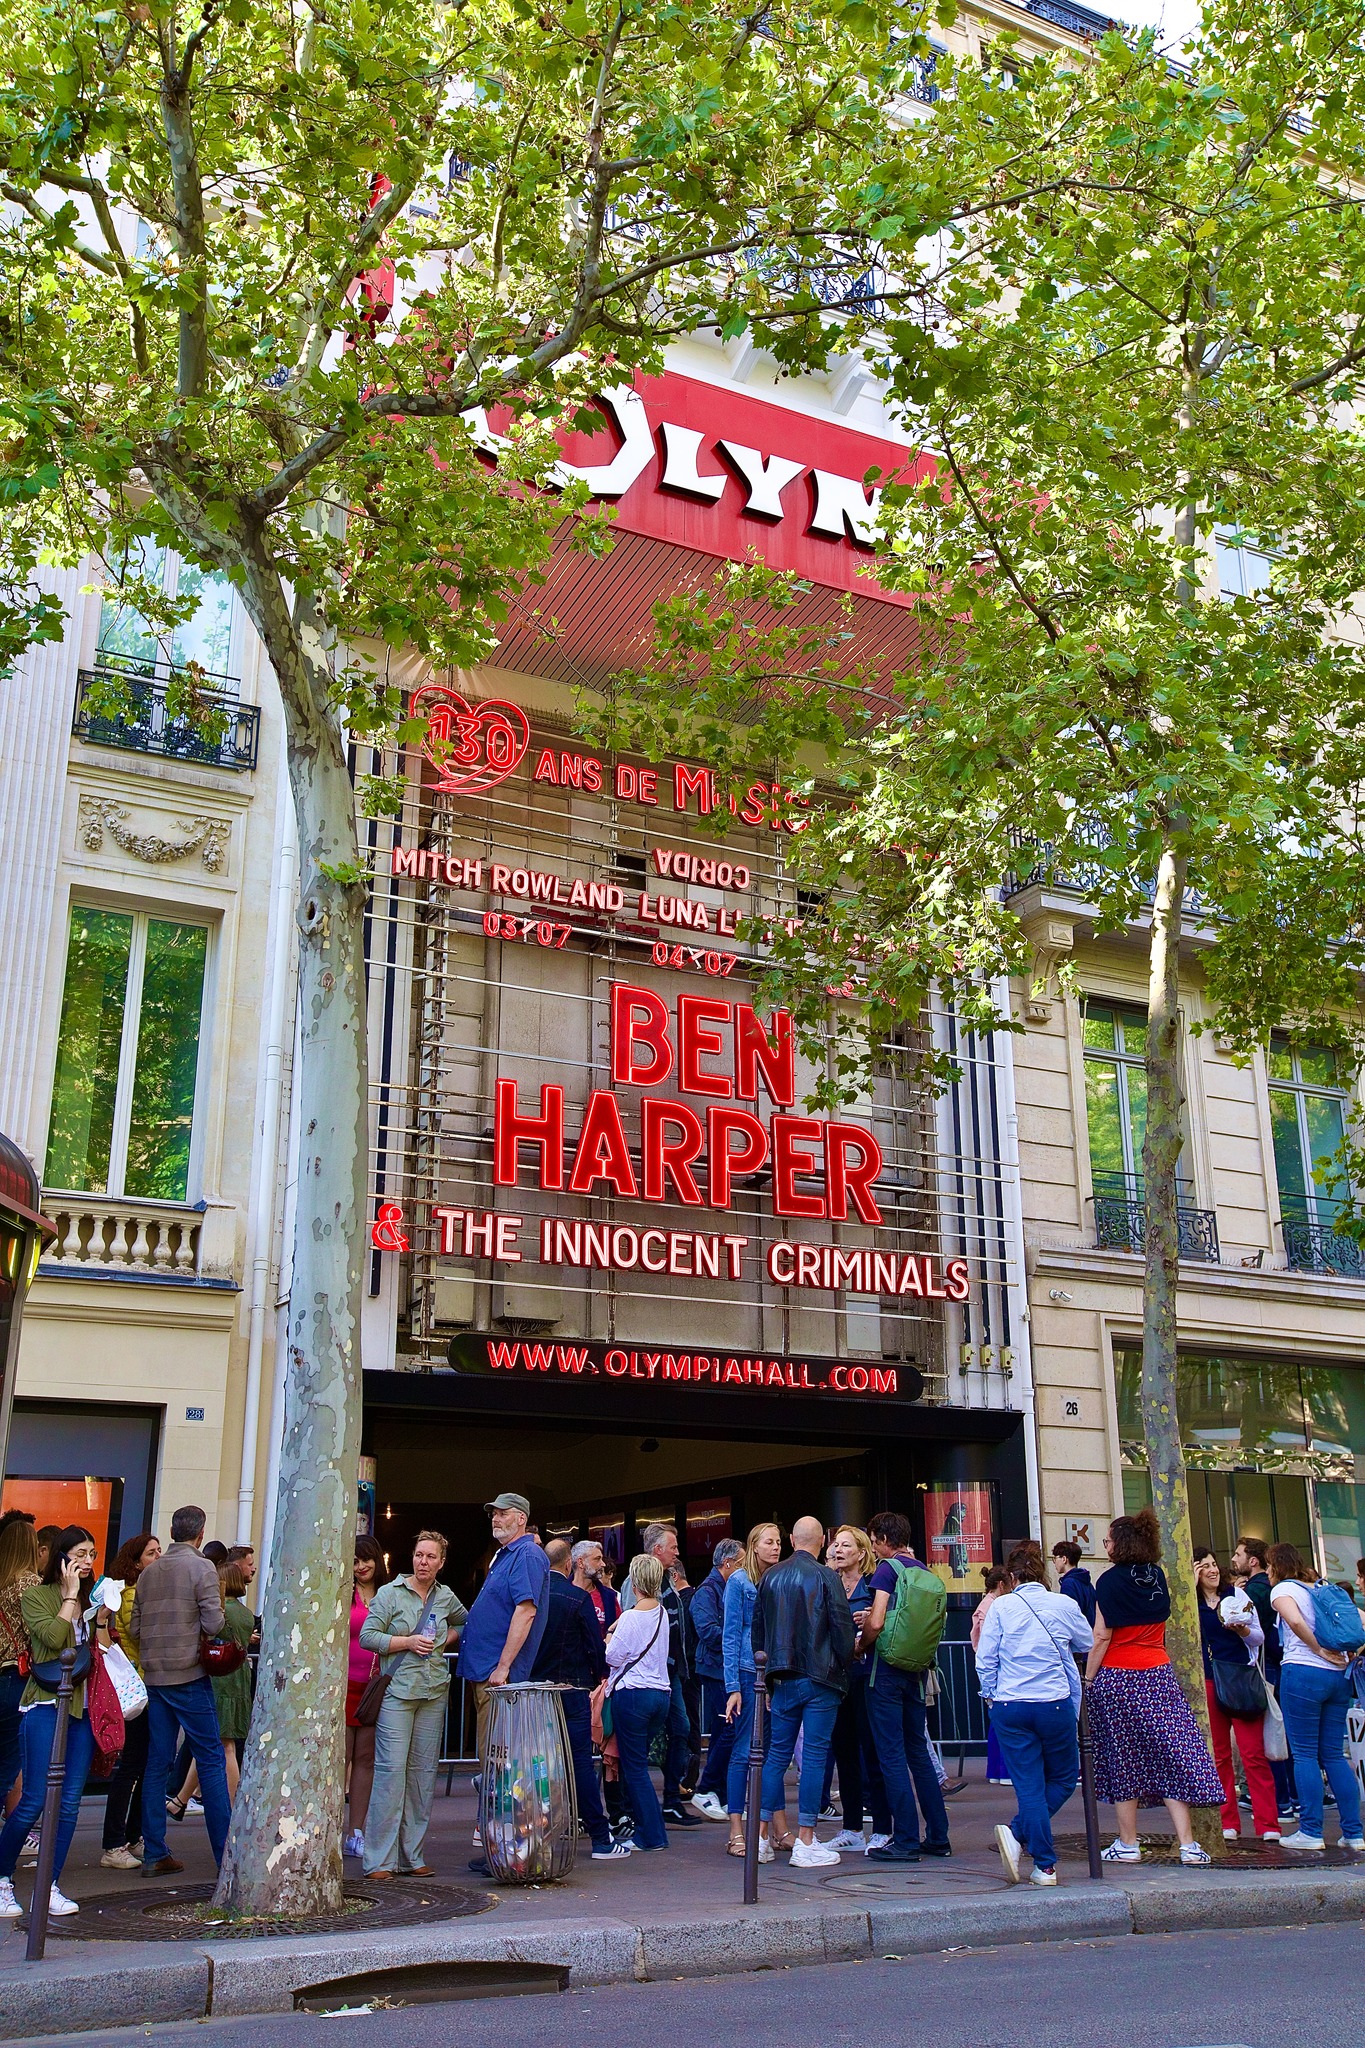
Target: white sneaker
{"type": "Point", "coordinates": [1037, 1876]}
{"type": "Point", "coordinates": [1192, 1854]}
{"type": "Point", "coordinates": [1232, 1834]}
{"type": "Point", "coordinates": [709, 1804]}
{"type": "Point", "coordinates": [1299, 1840]}
{"type": "Point", "coordinates": [813, 1855]}
{"type": "Point", "coordinates": [1271, 1835]}
{"type": "Point", "coordinates": [10, 1909]}
{"type": "Point", "coordinates": [195, 1807]}
{"type": "Point", "coordinates": [848, 1839]}
{"type": "Point", "coordinates": [879, 1841]}
{"type": "Point", "coordinates": [1356, 1842]}
{"type": "Point", "coordinates": [29, 1852]}
{"type": "Point", "coordinates": [59, 1905]}
{"type": "Point", "coordinates": [1122, 1852]}
{"type": "Point", "coordinates": [765, 1849]}
{"type": "Point", "coordinates": [1010, 1851]}
{"type": "Point", "coordinates": [120, 1859]}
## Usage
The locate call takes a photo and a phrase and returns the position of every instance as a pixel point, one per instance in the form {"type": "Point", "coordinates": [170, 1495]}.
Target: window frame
{"type": "Point", "coordinates": [163, 662]}
{"type": "Point", "coordinates": [1230, 541]}
{"type": "Point", "coordinates": [142, 915]}
{"type": "Point", "coordinates": [1320, 1207]}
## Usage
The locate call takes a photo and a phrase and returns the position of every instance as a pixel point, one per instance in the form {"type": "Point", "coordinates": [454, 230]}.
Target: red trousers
{"type": "Point", "coordinates": [1260, 1784]}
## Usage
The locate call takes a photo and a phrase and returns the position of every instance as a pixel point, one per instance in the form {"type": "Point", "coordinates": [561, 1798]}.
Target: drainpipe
{"type": "Point", "coordinates": [262, 1231]}
{"type": "Point", "coordinates": [1016, 1277]}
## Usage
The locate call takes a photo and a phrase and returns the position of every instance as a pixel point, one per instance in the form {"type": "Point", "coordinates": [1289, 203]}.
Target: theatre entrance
{"type": "Point", "coordinates": [443, 1446]}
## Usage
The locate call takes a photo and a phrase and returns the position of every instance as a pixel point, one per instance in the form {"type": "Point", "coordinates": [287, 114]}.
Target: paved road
{"type": "Point", "coordinates": [1240, 1990]}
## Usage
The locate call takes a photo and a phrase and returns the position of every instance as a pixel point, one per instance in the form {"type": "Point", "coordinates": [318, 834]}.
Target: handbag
{"type": "Point", "coordinates": [372, 1699]}
{"type": "Point", "coordinates": [1273, 1733]}
{"type": "Point", "coordinates": [102, 1707]}
{"type": "Point", "coordinates": [48, 1674]}
{"type": "Point", "coordinates": [221, 1655]}
{"type": "Point", "coordinates": [126, 1680]}
{"type": "Point", "coordinates": [1239, 1689]}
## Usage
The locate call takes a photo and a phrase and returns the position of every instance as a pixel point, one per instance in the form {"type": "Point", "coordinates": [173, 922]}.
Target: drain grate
{"type": "Point", "coordinates": [184, 1912]}
{"type": "Point", "coordinates": [430, 1984]}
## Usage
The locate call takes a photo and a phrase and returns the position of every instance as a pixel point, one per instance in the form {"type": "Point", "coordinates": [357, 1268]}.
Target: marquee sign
{"type": "Point", "coordinates": [710, 467]}
{"type": "Point", "coordinates": [798, 1378]}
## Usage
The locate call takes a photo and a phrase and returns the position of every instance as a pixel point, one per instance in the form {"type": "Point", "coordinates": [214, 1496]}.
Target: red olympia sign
{"type": "Point", "coordinates": [733, 1372]}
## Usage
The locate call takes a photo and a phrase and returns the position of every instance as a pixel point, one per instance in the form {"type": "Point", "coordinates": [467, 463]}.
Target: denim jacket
{"type": "Point", "coordinates": [741, 1597]}
{"type": "Point", "coordinates": [707, 1615]}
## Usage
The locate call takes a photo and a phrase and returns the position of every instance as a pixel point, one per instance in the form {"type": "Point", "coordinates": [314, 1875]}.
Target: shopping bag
{"type": "Point", "coordinates": [127, 1681]}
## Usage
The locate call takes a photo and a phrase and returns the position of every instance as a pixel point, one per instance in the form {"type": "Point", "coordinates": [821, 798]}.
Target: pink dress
{"type": "Point", "coordinates": [361, 1664]}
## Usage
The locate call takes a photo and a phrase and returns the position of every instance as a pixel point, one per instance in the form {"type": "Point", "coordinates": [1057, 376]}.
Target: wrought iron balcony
{"type": "Point", "coordinates": [228, 735]}
{"type": "Point", "coordinates": [1082, 21]}
{"type": "Point", "coordinates": [1121, 1219]}
{"type": "Point", "coordinates": [1313, 1242]}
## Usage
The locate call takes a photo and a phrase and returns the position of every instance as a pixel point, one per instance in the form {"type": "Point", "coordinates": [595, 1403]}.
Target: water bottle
{"type": "Point", "coordinates": [429, 1626]}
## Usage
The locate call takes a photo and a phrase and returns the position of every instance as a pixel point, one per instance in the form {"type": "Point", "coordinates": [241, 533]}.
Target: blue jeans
{"type": "Point", "coordinates": [895, 1713]}
{"type": "Point", "coordinates": [1042, 1754]}
{"type": "Point", "coordinates": [715, 1778]}
{"type": "Point", "coordinates": [1314, 1702]}
{"type": "Point", "coordinates": [191, 1707]}
{"type": "Point", "coordinates": [11, 1721]}
{"type": "Point", "coordinates": [798, 1703]}
{"type": "Point", "coordinates": [578, 1720]}
{"type": "Point", "coordinates": [737, 1770]}
{"type": "Point", "coordinates": [38, 1727]}
{"type": "Point", "coordinates": [679, 1739]}
{"type": "Point", "coordinates": [637, 1716]}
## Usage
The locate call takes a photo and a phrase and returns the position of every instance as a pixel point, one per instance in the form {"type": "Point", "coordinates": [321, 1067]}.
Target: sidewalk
{"type": "Point", "coordinates": [604, 1925]}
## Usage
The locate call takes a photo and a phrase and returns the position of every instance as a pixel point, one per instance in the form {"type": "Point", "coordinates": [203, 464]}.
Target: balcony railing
{"type": "Point", "coordinates": [1082, 21]}
{"type": "Point", "coordinates": [1313, 1243]}
{"type": "Point", "coordinates": [1121, 1220]}
{"type": "Point", "coordinates": [228, 736]}
{"type": "Point", "coordinates": [1042, 868]}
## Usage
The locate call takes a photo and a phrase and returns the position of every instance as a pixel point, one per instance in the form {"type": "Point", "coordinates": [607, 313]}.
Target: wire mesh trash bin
{"type": "Point", "coordinates": [528, 1815]}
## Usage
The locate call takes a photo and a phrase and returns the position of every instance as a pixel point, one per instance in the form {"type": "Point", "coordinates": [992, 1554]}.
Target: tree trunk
{"type": "Point", "coordinates": [1161, 1147]}
{"type": "Point", "coordinates": [284, 1850]}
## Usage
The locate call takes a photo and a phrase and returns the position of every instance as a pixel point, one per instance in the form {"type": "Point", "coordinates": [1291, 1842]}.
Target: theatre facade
{"type": "Point", "coordinates": [618, 1263]}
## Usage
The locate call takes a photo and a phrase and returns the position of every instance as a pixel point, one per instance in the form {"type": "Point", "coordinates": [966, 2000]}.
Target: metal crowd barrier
{"type": "Point", "coordinates": [957, 1720]}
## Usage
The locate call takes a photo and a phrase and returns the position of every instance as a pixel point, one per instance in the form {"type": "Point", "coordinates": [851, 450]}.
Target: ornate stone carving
{"type": "Point", "coordinates": [1051, 938]}
{"type": "Point", "coordinates": [207, 837]}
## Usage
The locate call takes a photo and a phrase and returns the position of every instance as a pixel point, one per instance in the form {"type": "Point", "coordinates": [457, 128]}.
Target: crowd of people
{"type": "Point", "coordinates": [180, 1622]}
{"type": "Point", "coordinates": [847, 1622]}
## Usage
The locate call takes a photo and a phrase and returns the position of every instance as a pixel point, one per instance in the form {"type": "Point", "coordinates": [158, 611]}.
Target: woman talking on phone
{"type": "Point", "coordinates": [54, 1619]}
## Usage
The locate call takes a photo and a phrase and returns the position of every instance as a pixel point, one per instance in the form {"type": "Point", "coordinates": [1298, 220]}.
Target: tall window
{"type": "Point", "coordinates": [205, 638]}
{"type": "Point", "coordinates": [127, 1056]}
{"type": "Point", "coordinates": [1115, 1095]}
{"type": "Point", "coordinates": [1243, 570]}
{"type": "Point", "coordinates": [1307, 1122]}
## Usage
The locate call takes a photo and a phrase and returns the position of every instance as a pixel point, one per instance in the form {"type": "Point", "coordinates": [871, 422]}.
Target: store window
{"type": "Point", "coordinates": [1273, 1448]}
{"type": "Point", "coordinates": [128, 640]}
{"type": "Point", "coordinates": [1308, 1123]}
{"type": "Point", "coordinates": [123, 1099]}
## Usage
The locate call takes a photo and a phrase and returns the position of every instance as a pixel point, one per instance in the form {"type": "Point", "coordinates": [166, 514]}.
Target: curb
{"type": "Point", "coordinates": [70, 1994]}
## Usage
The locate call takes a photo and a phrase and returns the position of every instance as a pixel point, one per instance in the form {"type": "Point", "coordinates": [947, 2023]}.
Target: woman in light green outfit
{"type": "Point", "coordinates": [407, 1736]}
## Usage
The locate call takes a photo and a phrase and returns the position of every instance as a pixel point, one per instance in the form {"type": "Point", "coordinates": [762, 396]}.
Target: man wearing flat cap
{"type": "Point", "coordinates": [507, 1620]}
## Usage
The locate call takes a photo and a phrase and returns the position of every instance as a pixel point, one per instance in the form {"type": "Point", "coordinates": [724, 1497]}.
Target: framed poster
{"type": "Point", "coordinates": [959, 1532]}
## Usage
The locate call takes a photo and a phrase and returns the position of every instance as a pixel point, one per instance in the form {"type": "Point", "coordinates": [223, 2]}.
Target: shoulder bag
{"type": "Point", "coordinates": [372, 1699]}
{"type": "Point", "coordinates": [1067, 1666]}
{"type": "Point", "coordinates": [1239, 1689]}
{"type": "Point", "coordinates": [23, 1660]}
{"type": "Point", "coordinates": [103, 1708]}
{"type": "Point", "coordinates": [610, 1684]}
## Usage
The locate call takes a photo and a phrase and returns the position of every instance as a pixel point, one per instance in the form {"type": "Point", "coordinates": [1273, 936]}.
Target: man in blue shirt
{"type": "Point", "coordinates": [507, 1620]}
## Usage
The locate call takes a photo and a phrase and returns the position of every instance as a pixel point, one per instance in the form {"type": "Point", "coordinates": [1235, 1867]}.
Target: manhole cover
{"type": "Point", "coordinates": [184, 1912]}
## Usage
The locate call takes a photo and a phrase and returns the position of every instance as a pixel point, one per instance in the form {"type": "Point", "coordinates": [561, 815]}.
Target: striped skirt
{"type": "Point", "coordinates": [1147, 1742]}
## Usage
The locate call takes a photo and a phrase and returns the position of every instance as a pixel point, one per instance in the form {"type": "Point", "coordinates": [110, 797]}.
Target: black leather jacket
{"type": "Point", "coordinates": [803, 1621]}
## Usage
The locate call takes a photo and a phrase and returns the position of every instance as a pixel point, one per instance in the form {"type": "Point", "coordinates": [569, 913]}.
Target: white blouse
{"type": "Point", "coordinates": [642, 1636]}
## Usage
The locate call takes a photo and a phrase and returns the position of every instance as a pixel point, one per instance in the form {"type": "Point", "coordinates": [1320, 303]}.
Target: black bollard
{"type": "Point", "coordinates": [753, 1796]}
{"type": "Point", "coordinates": [1088, 1800]}
{"type": "Point", "coordinates": [47, 1826]}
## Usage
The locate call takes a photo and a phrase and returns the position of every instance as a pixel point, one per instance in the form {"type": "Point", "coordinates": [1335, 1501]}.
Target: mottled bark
{"type": "Point", "coordinates": [1161, 1148]}
{"type": "Point", "coordinates": [284, 1849]}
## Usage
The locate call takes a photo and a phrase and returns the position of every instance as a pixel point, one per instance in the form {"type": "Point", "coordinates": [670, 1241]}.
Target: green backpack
{"type": "Point", "coordinates": [914, 1620]}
